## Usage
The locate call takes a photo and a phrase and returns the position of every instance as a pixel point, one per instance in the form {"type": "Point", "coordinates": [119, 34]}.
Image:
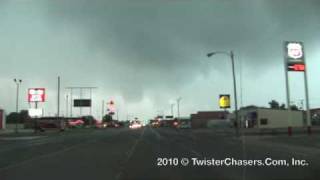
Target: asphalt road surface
{"type": "Point", "coordinates": [160, 153]}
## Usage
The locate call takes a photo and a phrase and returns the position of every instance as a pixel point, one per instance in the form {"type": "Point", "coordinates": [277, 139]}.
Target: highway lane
{"type": "Point", "coordinates": [133, 154]}
{"type": "Point", "coordinates": [204, 144]}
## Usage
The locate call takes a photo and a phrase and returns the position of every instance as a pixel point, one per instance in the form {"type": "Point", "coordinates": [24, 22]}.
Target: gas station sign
{"type": "Point", "coordinates": [224, 101]}
{"type": "Point", "coordinates": [294, 56]}
{"type": "Point", "coordinates": [36, 95]}
{"type": "Point", "coordinates": [111, 107]}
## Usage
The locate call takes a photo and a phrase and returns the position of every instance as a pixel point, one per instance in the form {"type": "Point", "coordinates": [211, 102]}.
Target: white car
{"type": "Point", "coordinates": [135, 125]}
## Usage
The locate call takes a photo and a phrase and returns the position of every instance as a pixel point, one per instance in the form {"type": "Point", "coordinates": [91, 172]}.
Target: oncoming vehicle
{"type": "Point", "coordinates": [184, 124]}
{"type": "Point", "coordinates": [135, 124]}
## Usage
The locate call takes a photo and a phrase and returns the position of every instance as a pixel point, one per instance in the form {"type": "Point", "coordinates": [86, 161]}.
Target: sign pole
{"type": "Point", "coordinates": [287, 90]}
{"type": "Point", "coordinates": [308, 124]}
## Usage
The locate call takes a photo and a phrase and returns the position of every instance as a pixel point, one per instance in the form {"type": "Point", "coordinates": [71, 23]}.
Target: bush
{"type": "Point", "coordinates": [15, 117]}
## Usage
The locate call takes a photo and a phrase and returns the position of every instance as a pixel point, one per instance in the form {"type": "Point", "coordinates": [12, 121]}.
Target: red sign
{"type": "Point", "coordinates": [111, 107]}
{"type": "Point", "coordinates": [296, 67]}
{"type": "Point", "coordinates": [36, 95]}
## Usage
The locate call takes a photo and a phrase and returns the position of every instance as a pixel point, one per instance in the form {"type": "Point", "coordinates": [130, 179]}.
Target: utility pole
{"type": "Point", "coordinates": [102, 109]}
{"type": "Point", "coordinates": [117, 114]}
{"type": "Point", "coordinates": [178, 107]}
{"type": "Point", "coordinates": [172, 105]}
{"type": "Point", "coordinates": [67, 105]}
{"type": "Point", "coordinates": [71, 102]}
{"type": "Point", "coordinates": [58, 109]}
{"type": "Point", "coordinates": [18, 83]}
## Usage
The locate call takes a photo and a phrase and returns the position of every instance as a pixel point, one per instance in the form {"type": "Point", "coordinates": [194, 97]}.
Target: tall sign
{"type": "Point", "coordinates": [82, 103]}
{"type": "Point", "coordinates": [294, 60]}
{"type": "Point", "coordinates": [36, 95]}
{"type": "Point", "coordinates": [294, 56]}
{"type": "Point", "coordinates": [111, 107]}
{"type": "Point", "coordinates": [224, 101]}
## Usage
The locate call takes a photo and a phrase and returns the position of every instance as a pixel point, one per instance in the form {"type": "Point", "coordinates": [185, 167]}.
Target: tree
{"type": "Point", "coordinates": [24, 116]}
{"type": "Point", "coordinates": [107, 118]}
{"type": "Point", "coordinates": [21, 117]}
{"type": "Point", "coordinates": [283, 106]}
{"type": "Point", "coordinates": [13, 117]}
{"type": "Point", "coordinates": [294, 107]}
{"type": "Point", "coordinates": [88, 120]}
{"type": "Point", "coordinates": [274, 104]}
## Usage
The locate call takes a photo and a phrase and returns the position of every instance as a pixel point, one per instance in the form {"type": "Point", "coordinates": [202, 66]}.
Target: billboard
{"type": "Point", "coordinates": [224, 101]}
{"type": "Point", "coordinates": [36, 94]}
{"type": "Point", "coordinates": [82, 102]}
{"type": "Point", "coordinates": [294, 56]}
{"type": "Point", "coordinates": [35, 112]}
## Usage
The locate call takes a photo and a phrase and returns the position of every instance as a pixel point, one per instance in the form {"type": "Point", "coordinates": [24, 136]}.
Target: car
{"type": "Point", "coordinates": [135, 125]}
{"type": "Point", "coordinates": [184, 125]}
{"type": "Point", "coordinates": [75, 123]}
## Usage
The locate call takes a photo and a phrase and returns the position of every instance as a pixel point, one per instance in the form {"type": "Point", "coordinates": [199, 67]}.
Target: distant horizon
{"type": "Point", "coordinates": [145, 54]}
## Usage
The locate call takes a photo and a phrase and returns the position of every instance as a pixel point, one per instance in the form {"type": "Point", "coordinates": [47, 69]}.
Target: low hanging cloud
{"type": "Point", "coordinates": [153, 51]}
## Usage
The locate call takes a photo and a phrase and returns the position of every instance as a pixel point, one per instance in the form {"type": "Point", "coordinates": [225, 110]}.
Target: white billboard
{"type": "Point", "coordinates": [35, 112]}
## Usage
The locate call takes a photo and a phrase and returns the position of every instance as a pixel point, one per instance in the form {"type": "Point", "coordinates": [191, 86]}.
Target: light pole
{"type": "Point", "coordinates": [231, 55]}
{"type": "Point", "coordinates": [178, 107]}
{"type": "Point", "coordinates": [172, 105]}
{"type": "Point", "coordinates": [18, 83]}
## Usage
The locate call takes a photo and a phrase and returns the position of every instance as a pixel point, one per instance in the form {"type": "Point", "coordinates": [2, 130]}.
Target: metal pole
{"type": "Point", "coordinates": [241, 88]}
{"type": "Point", "coordinates": [17, 98]}
{"type": "Point", "coordinates": [117, 114]}
{"type": "Point", "coordinates": [91, 101]}
{"type": "Point", "coordinates": [71, 103]}
{"type": "Point", "coordinates": [67, 104]}
{"type": "Point", "coordinates": [17, 107]}
{"type": "Point", "coordinates": [178, 107]}
{"type": "Point", "coordinates": [288, 97]}
{"type": "Point", "coordinates": [172, 109]}
{"type": "Point", "coordinates": [235, 92]}
{"type": "Point", "coordinates": [80, 98]}
{"type": "Point", "coordinates": [102, 110]}
{"type": "Point", "coordinates": [58, 109]}
{"type": "Point", "coordinates": [307, 101]}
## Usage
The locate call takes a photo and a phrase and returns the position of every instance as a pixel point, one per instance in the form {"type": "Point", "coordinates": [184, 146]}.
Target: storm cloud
{"type": "Point", "coordinates": [144, 53]}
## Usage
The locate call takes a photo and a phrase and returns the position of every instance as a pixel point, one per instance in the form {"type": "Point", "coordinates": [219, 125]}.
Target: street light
{"type": "Point", "coordinates": [178, 107]}
{"type": "Point", "coordinates": [172, 105]}
{"type": "Point", "coordinates": [18, 83]}
{"type": "Point", "coordinates": [231, 55]}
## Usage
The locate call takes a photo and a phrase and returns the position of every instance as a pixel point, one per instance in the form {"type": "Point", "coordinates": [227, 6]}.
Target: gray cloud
{"type": "Point", "coordinates": [155, 50]}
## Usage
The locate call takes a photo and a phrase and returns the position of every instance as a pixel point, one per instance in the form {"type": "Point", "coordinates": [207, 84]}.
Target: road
{"type": "Point", "coordinates": [137, 154]}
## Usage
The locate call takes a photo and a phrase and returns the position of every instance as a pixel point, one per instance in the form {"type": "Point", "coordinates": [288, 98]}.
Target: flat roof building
{"type": "Point", "coordinates": [259, 117]}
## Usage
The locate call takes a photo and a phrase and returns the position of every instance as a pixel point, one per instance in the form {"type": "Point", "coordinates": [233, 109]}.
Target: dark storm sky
{"type": "Point", "coordinates": [145, 53]}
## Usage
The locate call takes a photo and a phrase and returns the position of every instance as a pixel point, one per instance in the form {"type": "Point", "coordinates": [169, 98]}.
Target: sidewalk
{"type": "Point", "coordinates": [9, 131]}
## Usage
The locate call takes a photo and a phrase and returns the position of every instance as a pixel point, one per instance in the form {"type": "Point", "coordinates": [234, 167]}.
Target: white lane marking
{"type": "Point", "coordinates": [21, 138]}
{"type": "Point", "coordinates": [159, 137]}
{"type": "Point", "coordinates": [130, 153]}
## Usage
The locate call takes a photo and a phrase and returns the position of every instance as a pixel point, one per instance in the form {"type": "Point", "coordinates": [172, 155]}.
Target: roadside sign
{"type": "Point", "coordinates": [224, 101]}
{"type": "Point", "coordinates": [294, 56]}
{"type": "Point", "coordinates": [111, 107]}
{"type": "Point", "coordinates": [35, 112]}
{"type": "Point", "coordinates": [36, 95]}
{"type": "Point", "coordinates": [82, 102]}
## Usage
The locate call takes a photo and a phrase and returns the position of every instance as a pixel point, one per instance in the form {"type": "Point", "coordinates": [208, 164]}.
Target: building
{"type": "Point", "coordinates": [315, 116]}
{"type": "Point", "coordinates": [204, 118]}
{"type": "Point", "coordinates": [259, 117]}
